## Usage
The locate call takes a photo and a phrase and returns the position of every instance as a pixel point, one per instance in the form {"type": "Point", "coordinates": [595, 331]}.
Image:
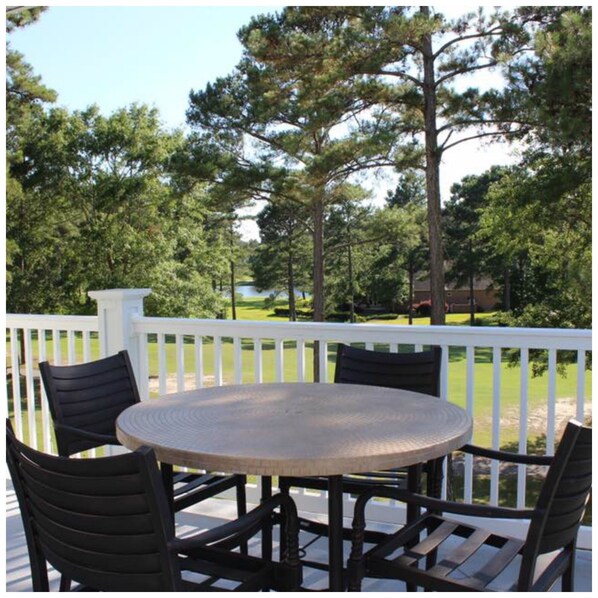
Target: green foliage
{"type": "Point", "coordinates": [471, 255]}
{"type": "Point", "coordinates": [410, 190]}
{"type": "Point", "coordinates": [540, 215]}
{"type": "Point", "coordinates": [282, 261]}
{"type": "Point", "coordinates": [96, 211]}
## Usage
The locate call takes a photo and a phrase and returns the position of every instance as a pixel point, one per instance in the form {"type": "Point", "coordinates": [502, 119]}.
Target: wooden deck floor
{"type": "Point", "coordinates": [213, 512]}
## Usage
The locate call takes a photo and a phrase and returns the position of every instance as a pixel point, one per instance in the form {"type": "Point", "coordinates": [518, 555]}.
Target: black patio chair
{"type": "Point", "coordinates": [85, 401]}
{"type": "Point", "coordinates": [105, 523]}
{"type": "Point", "coordinates": [430, 550]}
{"type": "Point", "coordinates": [418, 372]}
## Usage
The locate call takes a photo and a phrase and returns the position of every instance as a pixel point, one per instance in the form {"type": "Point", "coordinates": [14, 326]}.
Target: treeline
{"type": "Point", "coordinates": [321, 96]}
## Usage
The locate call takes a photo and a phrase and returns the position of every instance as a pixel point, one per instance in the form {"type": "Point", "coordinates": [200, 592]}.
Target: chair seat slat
{"type": "Point", "coordinates": [460, 554]}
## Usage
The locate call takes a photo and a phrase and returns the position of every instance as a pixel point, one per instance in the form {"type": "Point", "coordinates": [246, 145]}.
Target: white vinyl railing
{"type": "Point", "coordinates": [172, 355]}
{"type": "Point", "coordinates": [66, 340]}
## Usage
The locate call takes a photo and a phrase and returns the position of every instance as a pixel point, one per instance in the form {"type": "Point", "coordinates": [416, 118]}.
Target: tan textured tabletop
{"type": "Point", "coordinates": [295, 429]}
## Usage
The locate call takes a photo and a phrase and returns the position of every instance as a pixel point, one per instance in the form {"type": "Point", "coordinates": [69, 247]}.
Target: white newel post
{"type": "Point", "coordinates": [116, 307]}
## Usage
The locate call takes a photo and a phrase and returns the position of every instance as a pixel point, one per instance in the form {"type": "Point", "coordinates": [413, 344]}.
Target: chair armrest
{"type": "Point", "coordinates": [441, 506]}
{"type": "Point", "coordinates": [85, 435]}
{"type": "Point", "coordinates": [227, 531]}
{"type": "Point", "coordinates": [479, 451]}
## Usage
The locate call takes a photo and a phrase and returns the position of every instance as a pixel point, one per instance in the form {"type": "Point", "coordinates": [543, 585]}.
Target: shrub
{"type": "Point", "coordinates": [382, 317]}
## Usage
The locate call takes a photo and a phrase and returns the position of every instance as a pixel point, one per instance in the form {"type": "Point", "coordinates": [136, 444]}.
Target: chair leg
{"type": "Point", "coordinates": [39, 569]}
{"type": "Point", "coordinates": [65, 584]}
{"type": "Point", "coordinates": [267, 527]}
{"type": "Point", "coordinates": [167, 473]}
{"type": "Point", "coordinates": [242, 505]}
{"type": "Point", "coordinates": [284, 489]}
{"type": "Point", "coordinates": [414, 476]}
{"type": "Point", "coordinates": [567, 581]}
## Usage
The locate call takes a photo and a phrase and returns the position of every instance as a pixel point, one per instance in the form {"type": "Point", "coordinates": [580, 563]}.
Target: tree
{"type": "Point", "coordinates": [410, 195]}
{"type": "Point", "coordinates": [281, 261]}
{"type": "Point", "coordinates": [410, 190]}
{"type": "Point", "coordinates": [27, 253]}
{"type": "Point", "coordinates": [468, 255]}
{"type": "Point", "coordinates": [544, 206]}
{"type": "Point", "coordinates": [297, 127]}
{"type": "Point", "coordinates": [348, 248]}
{"type": "Point", "coordinates": [426, 55]}
{"type": "Point", "coordinates": [98, 210]}
{"type": "Point", "coordinates": [315, 141]}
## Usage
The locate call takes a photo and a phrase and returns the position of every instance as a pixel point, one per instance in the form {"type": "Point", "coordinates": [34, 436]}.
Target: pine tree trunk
{"type": "Point", "coordinates": [507, 290]}
{"type": "Point", "coordinates": [222, 315]}
{"type": "Point", "coordinates": [471, 296]}
{"type": "Point", "coordinates": [433, 182]}
{"type": "Point", "coordinates": [351, 285]}
{"type": "Point", "coordinates": [233, 286]}
{"type": "Point", "coordinates": [411, 277]}
{"type": "Point", "coordinates": [291, 288]}
{"type": "Point", "coordinates": [318, 273]}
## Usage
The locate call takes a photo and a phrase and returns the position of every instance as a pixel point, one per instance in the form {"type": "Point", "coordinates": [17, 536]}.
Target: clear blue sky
{"type": "Point", "coordinates": [113, 56]}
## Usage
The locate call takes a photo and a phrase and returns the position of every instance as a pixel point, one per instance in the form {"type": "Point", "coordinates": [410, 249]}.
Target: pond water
{"type": "Point", "coordinates": [248, 290]}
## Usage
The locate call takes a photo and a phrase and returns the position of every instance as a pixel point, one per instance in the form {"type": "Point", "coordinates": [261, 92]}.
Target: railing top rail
{"type": "Point", "coordinates": [52, 322]}
{"type": "Point", "coordinates": [541, 338]}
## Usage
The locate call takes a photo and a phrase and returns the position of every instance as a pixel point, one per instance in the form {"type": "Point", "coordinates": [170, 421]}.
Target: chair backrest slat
{"type": "Point", "coordinates": [89, 396]}
{"type": "Point", "coordinates": [418, 372]}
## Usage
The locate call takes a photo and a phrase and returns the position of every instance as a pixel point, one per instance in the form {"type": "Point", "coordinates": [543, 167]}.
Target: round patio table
{"type": "Point", "coordinates": [297, 429]}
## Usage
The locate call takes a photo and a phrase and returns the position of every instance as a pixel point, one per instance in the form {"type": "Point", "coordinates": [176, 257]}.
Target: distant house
{"type": "Point", "coordinates": [457, 297]}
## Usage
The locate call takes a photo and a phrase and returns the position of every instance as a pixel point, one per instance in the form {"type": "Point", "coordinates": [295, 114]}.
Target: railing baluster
{"type": "Point", "coordinates": [31, 419]}
{"type": "Point", "coordinates": [418, 347]}
{"type": "Point", "coordinates": [16, 381]}
{"type": "Point", "coordinates": [369, 346]}
{"type": "Point", "coordinates": [46, 425]}
{"type": "Point", "coordinates": [86, 340]}
{"type": "Point", "coordinates": [71, 352]}
{"type": "Point", "coordinates": [496, 373]}
{"type": "Point", "coordinates": [279, 359]}
{"type": "Point", "coordinates": [217, 361]}
{"type": "Point", "coordinates": [300, 360]}
{"type": "Point", "coordinates": [57, 347]}
{"type": "Point", "coordinates": [198, 361]}
{"type": "Point", "coordinates": [238, 360]}
{"type": "Point", "coordinates": [444, 378]}
{"type": "Point", "coordinates": [143, 381]}
{"type": "Point", "coordinates": [444, 373]}
{"type": "Point", "coordinates": [180, 363]}
{"type": "Point", "coordinates": [468, 464]}
{"type": "Point", "coordinates": [323, 360]}
{"type": "Point", "coordinates": [551, 408]}
{"type": "Point", "coordinates": [581, 383]}
{"type": "Point", "coordinates": [393, 347]}
{"type": "Point", "coordinates": [523, 410]}
{"type": "Point", "coordinates": [257, 360]}
{"type": "Point", "coordinates": [161, 364]}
